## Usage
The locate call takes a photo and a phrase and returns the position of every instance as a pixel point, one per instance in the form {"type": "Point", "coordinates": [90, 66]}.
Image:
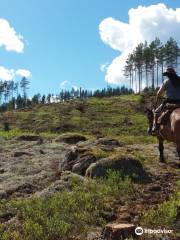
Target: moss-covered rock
{"type": "Point", "coordinates": [126, 164]}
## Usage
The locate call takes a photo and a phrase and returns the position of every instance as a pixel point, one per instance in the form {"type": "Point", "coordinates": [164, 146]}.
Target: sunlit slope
{"type": "Point", "coordinates": [119, 117]}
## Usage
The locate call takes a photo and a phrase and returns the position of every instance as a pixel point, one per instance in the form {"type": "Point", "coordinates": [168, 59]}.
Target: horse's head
{"type": "Point", "coordinates": [150, 117]}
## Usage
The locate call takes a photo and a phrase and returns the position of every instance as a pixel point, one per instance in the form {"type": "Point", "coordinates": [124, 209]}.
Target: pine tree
{"type": "Point", "coordinates": [24, 84]}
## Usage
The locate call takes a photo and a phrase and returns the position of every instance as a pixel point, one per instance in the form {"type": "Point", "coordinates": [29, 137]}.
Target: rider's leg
{"type": "Point", "coordinates": [157, 113]}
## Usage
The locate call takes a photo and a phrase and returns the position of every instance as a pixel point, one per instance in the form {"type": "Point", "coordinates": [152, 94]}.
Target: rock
{"type": "Point", "coordinates": [67, 176]}
{"type": "Point", "coordinates": [29, 138]}
{"type": "Point", "coordinates": [69, 160]}
{"type": "Point", "coordinates": [3, 194]}
{"type": "Point", "coordinates": [115, 231]}
{"type": "Point", "coordinates": [126, 164]}
{"type": "Point", "coordinates": [83, 163]}
{"type": "Point", "coordinates": [71, 139]}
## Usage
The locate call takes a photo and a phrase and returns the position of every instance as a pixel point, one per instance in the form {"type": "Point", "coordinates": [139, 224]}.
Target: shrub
{"type": "Point", "coordinates": [67, 214]}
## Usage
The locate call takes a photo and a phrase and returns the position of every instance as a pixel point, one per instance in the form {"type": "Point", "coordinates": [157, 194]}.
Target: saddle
{"type": "Point", "coordinates": [167, 110]}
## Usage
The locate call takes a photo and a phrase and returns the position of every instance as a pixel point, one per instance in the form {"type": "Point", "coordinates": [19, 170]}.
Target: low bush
{"type": "Point", "coordinates": [67, 214]}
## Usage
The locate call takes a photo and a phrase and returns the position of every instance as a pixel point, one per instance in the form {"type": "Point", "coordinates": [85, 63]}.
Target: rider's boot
{"type": "Point", "coordinates": [156, 125]}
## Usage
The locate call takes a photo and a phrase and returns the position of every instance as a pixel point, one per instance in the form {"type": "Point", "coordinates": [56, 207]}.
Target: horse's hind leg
{"type": "Point", "coordinates": [178, 151]}
{"type": "Point", "coordinates": [177, 141]}
{"type": "Point", "coordinates": [161, 151]}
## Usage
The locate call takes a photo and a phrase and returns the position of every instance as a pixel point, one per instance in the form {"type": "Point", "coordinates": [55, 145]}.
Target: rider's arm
{"type": "Point", "coordinates": [161, 90]}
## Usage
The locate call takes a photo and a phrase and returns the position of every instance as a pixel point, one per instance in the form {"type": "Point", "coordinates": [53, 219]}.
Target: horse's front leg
{"type": "Point", "coordinates": [161, 150]}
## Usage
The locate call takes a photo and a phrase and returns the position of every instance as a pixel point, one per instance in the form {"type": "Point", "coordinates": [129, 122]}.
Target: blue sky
{"type": "Point", "coordinates": [62, 40]}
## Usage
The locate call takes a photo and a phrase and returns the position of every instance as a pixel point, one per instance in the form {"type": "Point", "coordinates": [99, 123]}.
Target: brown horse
{"type": "Point", "coordinates": [169, 131]}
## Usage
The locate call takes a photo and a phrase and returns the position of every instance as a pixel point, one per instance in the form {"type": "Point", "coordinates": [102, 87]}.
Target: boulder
{"type": "Point", "coordinates": [127, 165]}
{"type": "Point", "coordinates": [83, 163]}
{"type": "Point", "coordinates": [68, 176]}
{"type": "Point", "coordinates": [71, 138]}
{"type": "Point", "coordinates": [116, 231]}
{"type": "Point", "coordinates": [69, 160]}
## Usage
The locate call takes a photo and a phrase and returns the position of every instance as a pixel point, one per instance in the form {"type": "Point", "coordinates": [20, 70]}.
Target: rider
{"type": "Point", "coordinates": [172, 88]}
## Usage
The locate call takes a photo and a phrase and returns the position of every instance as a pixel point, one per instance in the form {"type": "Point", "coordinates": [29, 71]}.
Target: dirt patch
{"type": "Point", "coordinates": [71, 139]}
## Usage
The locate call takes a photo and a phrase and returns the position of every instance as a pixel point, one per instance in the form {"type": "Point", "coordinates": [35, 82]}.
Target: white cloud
{"type": "Point", "coordinates": [145, 23]}
{"type": "Point", "coordinates": [103, 67]}
{"type": "Point", "coordinates": [6, 74]}
{"type": "Point", "coordinates": [23, 73]}
{"type": "Point", "coordinates": [62, 84]}
{"type": "Point", "coordinates": [9, 38]}
{"type": "Point", "coordinates": [9, 74]}
{"type": "Point", "coordinates": [67, 85]}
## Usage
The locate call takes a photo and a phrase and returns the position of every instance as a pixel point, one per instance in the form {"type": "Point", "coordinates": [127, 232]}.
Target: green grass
{"type": "Point", "coordinates": [164, 215]}
{"type": "Point", "coordinates": [131, 139]}
{"type": "Point", "coordinates": [113, 117]}
{"type": "Point", "coordinates": [66, 214]}
{"type": "Point", "coordinates": [10, 134]}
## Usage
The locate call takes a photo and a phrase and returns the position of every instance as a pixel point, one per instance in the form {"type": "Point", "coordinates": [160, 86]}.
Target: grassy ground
{"type": "Point", "coordinates": [72, 213]}
{"type": "Point", "coordinates": [66, 214]}
{"type": "Point", "coordinates": [165, 215]}
{"type": "Point", "coordinates": [117, 117]}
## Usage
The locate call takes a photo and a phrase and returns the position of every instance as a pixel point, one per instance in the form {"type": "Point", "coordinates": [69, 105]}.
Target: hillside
{"type": "Point", "coordinates": [119, 117]}
{"type": "Point", "coordinates": [68, 169]}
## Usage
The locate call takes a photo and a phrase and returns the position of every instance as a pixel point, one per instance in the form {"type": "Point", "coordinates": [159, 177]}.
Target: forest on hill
{"type": "Point", "coordinates": [145, 65]}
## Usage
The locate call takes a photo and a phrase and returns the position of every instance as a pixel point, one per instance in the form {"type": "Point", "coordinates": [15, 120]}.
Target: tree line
{"type": "Point", "coordinates": [12, 99]}
{"type": "Point", "coordinates": [10, 89]}
{"type": "Point", "coordinates": [145, 65]}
